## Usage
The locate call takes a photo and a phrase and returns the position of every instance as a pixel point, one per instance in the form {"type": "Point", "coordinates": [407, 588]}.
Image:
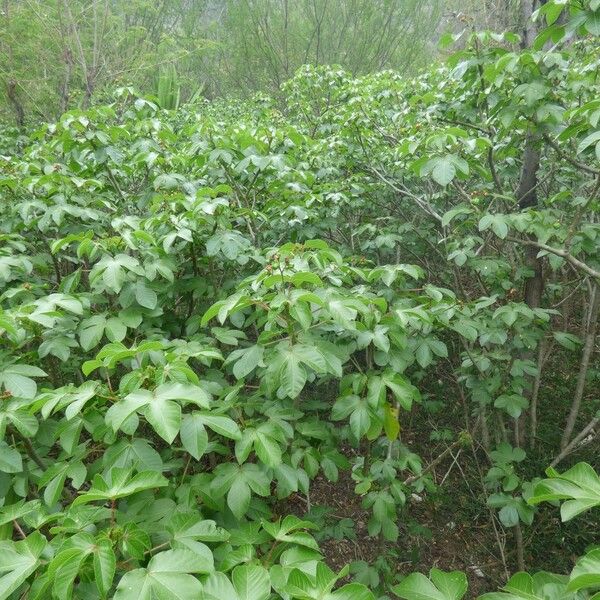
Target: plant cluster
{"type": "Point", "coordinates": [203, 310]}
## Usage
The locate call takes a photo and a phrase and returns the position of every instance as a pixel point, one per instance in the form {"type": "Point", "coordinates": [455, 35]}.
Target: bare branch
{"type": "Point", "coordinates": [558, 252]}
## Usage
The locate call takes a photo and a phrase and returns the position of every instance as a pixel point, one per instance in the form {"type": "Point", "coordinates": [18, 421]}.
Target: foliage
{"type": "Point", "coordinates": [205, 309]}
{"type": "Point", "coordinates": [58, 54]}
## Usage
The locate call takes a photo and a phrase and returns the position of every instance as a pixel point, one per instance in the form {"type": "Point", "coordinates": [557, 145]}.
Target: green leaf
{"type": "Point", "coordinates": [218, 587]}
{"type": "Point", "coordinates": [351, 591]}
{"type": "Point", "coordinates": [250, 359]}
{"type": "Point", "coordinates": [267, 449]}
{"type": "Point", "coordinates": [292, 376]}
{"type": "Point", "coordinates": [238, 498]}
{"type": "Point", "coordinates": [360, 421]}
{"type": "Point", "coordinates": [444, 170]}
{"type": "Point", "coordinates": [16, 511]}
{"type": "Point", "coordinates": [513, 404]}
{"type": "Point", "coordinates": [145, 296]}
{"type": "Point", "coordinates": [251, 582]}
{"type": "Point", "coordinates": [157, 583]}
{"type": "Point", "coordinates": [177, 561]}
{"type": "Point", "coordinates": [586, 573]}
{"type": "Point", "coordinates": [113, 276]}
{"type": "Point", "coordinates": [10, 459]}
{"type": "Point", "coordinates": [579, 487]}
{"type": "Point", "coordinates": [220, 424]}
{"type": "Point", "coordinates": [439, 586]}
{"type": "Point", "coordinates": [18, 561]}
{"type": "Point", "coordinates": [567, 340]}
{"type": "Point", "coordinates": [523, 586]}
{"type": "Point", "coordinates": [193, 435]}
{"type": "Point", "coordinates": [391, 424]}
{"type": "Point", "coordinates": [91, 331]}
{"type": "Point", "coordinates": [592, 138]}
{"type": "Point", "coordinates": [119, 485]}
{"type": "Point", "coordinates": [496, 222]}
{"type": "Point", "coordinates": [190, 526]}
{"type": "Point", "coordinates": [134, 585]}
{"type": "Point", "coordinates": [165, 417]}
{"type": "Point", "coordinates": [115, 330]}
{"type": "Point", "coordinates": [17, 384]}
{"type": "Point", "coordinates": [119, 412]}
{"type": "Point", "coordinates": [104, 566]}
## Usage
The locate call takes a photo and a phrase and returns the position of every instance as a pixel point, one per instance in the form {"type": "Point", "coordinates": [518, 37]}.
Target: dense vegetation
{"type": "Point", "coordinates": [385, 285]}
{"type": "Point", "coordinates": [60, 54]}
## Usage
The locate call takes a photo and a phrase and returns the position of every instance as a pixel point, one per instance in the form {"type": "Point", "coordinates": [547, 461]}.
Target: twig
{"type": "Point", "coordinates": [574, 443]}
{"type": "Point", "coordinates": [422, 204]}
{"type": "Point", "coordinates": [566, 157]}
{"type": "Point", "coordinates": [31, 451]}
{"type": "Point", "coordinates": [19, 530]}
{"type": "Point", "coordinates": [433, 463]}
{"type": "Point", "coordinates": [558, 252]}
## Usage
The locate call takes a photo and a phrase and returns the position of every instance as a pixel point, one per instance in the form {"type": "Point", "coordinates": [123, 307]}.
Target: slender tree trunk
{"type": "Point", "coordinates": [65, 92]}
{"type": "Point", "coordinates": [544, 351]}
{"type": "Point", "coordinates": [11, 92]}
{"type": "Point", "coordinates": [588, 350]}
{"type": "Point", "coordinates": [528, 31]}
{"type": "Point", "coordinates": [11, 83]}
{"type": "Point", "coordinates": [528, 198]}
{"type": "Point", "coordinates": [520, 547]}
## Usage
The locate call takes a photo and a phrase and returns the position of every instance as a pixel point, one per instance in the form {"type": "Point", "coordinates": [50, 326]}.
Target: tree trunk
{"type": "Point", "coordinates": [588, 350]}
{"type": "Point", "coordinates": [11, 92]}
{"type": "Point", "coordinates": [11, 82]}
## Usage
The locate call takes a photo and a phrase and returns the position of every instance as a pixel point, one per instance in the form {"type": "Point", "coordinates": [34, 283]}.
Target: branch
{"type": "Point", "coordinates": [433, 463]}
{"type": "Point", "coordinates": [465, 124]}
{"type": "Point", "coordinates": [422, 204]}
{"type": "Point", "coordinates": [566, 157]}
{"type": "Point", "coordinates": [577, 441]}
{"type": "Point", "coordinates": [496, 179]}
{"type": "Point", "coordinates": [31, 451]}
{"type": "Point", "coordinates": [558, 252]}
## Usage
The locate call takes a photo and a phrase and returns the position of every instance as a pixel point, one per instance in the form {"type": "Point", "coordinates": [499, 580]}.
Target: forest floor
{"type": "Point", "coordinates": [438, 534]}
{"type": "Point", "coordinates": [452, 528]}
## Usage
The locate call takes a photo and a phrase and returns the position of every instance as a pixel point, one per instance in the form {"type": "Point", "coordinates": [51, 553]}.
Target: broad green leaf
{"type": "Point", "coordinates": [18, 560]}
{"type": "Point", "coordinates": [104, 566]}
{"type": "Point", "coordinates": [351, 591]}
{"type": "Point", "coordinates": [579, 487]}
{"type": "Point", "coordinates": [165, 417]}
{"type": "Point", "coordinates": [292, 376]}
{"type": "Point", "coordinates": [119, 485]}
{"type": "Point", "coordinates": [586, 573]}
{"type": "Point", "coordinates": [540, 586]}
{"type": "Point", "coordinates": [218, 587]}
{"type": "Point", "coordinates": [193, 435]}
{"type": "Point", "coordinates": [10, 459]}
{"type": "Point", "coordinates": [439, 586]}
{"type": "Point", "coordinates": [249, 360]}
{"type": "Point", "coordinates": [238, 498]}
{"type": "Point", "coordinates": [251, 582]}
{"type": "Point", "coordinates": [220, 424]}
{"type": "Point", "coordinates": [444, 171]}
{"type": "Point", "coordinates": [145, 296]}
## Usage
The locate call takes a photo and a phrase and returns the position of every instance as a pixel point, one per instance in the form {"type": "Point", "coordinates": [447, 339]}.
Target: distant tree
{"type": "Point", "coordinates": [260, 43]}
{"type": "Point", "coordinates": [57, 54]}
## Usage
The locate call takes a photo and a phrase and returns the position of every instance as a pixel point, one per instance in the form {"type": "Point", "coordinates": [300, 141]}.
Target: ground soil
{"type": "Point", "coordinates": [457, 541]}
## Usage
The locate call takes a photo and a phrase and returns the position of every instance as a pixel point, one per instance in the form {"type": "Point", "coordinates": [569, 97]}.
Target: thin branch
{"type": "Point", "coordinates": [422, 204]}
{"type": "Point", "coordinates": [19, 530]}
{"type": "Point", "coordinates": [558, 252]}
{"type": "Point", "coordinates": [566, 157]}
{"type": "Point", "coordinates": [433, 463]}
{"type": "Point", "coordinates": [575, 442]}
